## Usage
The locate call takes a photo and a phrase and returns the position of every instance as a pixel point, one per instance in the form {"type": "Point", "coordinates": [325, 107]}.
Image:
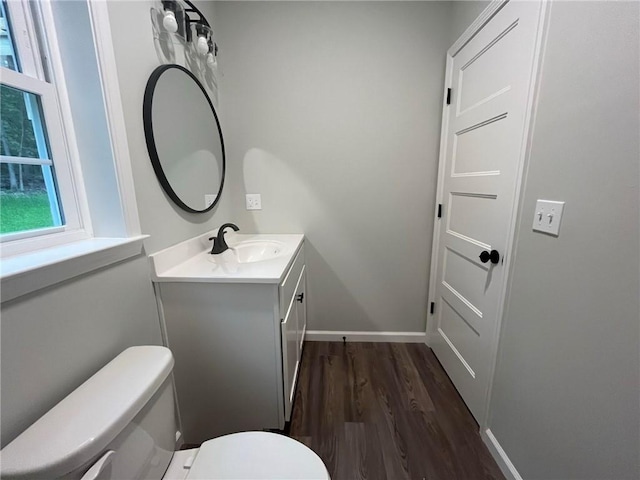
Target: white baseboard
{"type": "Point", "coordinates": [393, 337]}
{"type": "Point", "coordinates": [500, 456]}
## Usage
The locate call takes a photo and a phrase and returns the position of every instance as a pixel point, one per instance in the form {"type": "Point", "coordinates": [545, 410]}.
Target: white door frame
{"type": "Point", "coordinates": [522, 167]}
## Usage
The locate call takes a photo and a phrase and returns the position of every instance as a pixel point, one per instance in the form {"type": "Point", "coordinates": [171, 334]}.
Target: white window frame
{"type": "Point", "coordinates": [59, 128]}
{"type": "Point", "coordinates": [26, 42]}
{"type": "Point", "coordinates": [30, 264]}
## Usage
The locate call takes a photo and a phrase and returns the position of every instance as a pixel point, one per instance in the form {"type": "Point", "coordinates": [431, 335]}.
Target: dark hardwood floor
{"type": "Point", "coordinates": [385, 411]}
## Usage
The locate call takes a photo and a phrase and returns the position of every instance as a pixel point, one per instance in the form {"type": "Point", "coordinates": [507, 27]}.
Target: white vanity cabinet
{"type": "Point", "coordinates": [237, 346]}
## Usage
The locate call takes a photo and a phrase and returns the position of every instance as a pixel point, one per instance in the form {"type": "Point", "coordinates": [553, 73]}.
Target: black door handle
{"type": "Point", "coordinates": [494, 256]}
{"type": "Point", "coordinates": [300, 297]}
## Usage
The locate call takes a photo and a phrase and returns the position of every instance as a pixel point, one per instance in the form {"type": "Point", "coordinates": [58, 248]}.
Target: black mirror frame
{"type": "Point", "coordinates": [150, 139]}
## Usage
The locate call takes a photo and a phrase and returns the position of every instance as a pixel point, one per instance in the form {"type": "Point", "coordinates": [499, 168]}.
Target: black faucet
{"type": "Point", "coordinates": [219, 243]}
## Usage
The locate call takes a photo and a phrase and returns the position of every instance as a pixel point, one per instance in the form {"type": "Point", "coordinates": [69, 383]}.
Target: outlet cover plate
{"type": "Point", "coordinates": [547, 217]}
{"type": "Point", "coordinates": [253, 201]}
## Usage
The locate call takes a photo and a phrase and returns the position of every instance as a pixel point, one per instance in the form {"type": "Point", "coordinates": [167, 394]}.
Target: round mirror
{"type": "Point", "coordinates": [184, 138]}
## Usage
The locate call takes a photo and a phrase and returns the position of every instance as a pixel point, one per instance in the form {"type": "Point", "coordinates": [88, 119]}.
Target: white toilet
{"type": "Point", "coordinates": [121, 424]}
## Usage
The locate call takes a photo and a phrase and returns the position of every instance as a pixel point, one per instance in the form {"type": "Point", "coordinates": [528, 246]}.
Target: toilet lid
{"type": "Point", "coordinates": [256, 455]}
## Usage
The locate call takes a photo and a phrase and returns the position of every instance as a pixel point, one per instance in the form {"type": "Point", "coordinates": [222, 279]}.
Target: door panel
{"type": "Point", "coordinates": [470, 214]}
{"type": "Point", "coordinates": [471, 315]}
{"type": "Point", "coordinates": [460, 332]}
{"type": "Point", "coordinates": [458, 266]}
{"type": "Point", "coordinates": [478, 148]}
{"type": "Point", "coordinates": [482, 76]}
{"type": "Point", "coordinates": [483, 134]}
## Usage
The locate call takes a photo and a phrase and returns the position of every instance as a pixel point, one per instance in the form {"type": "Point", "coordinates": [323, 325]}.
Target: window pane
{"type": "Point", "coordinates": [8, 57]}
{"type": "Point", "coordinates": [28, 198]}
{"type": "Point", "coordinates": [28, 194]}
{"type": "Point", "coordinates": [22, 126]}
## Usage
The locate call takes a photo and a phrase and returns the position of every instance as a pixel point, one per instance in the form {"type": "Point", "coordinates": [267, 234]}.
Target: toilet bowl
{"type": "Point", "coordinates": [121, 424]}
{"type": "Point", "coordinates": [255, 455]}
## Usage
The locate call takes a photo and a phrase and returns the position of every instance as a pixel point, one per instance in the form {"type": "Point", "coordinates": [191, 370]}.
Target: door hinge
{"type": "Point", "coordinates": [439, 210]}
{"type": "Point", "coordinates": [448, 96]}
{"type": "Point", "coordinates": [433, 307]}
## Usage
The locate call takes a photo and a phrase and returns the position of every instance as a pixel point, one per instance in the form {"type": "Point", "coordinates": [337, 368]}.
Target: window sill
{"type": "Point", "coordinates": [23, 274]}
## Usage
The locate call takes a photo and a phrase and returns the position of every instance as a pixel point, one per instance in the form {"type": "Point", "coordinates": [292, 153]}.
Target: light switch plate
{"type": "Point", "coordinates": [209, 198]}
{"type": "Point", "coordinates": [547, 217]}
{"type": "Point", "coordinates": [254, 201]}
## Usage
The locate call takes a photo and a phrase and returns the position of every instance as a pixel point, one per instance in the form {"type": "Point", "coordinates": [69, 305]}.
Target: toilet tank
{"type": "Point", "coordinates": [119, 424]}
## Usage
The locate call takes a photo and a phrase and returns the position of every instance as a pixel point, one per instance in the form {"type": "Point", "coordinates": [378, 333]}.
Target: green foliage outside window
{"type": "Point", "coordinates": [24, 204]}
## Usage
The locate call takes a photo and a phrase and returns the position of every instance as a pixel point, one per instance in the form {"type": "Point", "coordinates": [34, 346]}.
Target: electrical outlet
{"type": "Point", "coordinates": [209, 199]}
{"type": "Point", "coordinates": [254, 201]}
{"type": "Point", "coordinates": [547, 217]}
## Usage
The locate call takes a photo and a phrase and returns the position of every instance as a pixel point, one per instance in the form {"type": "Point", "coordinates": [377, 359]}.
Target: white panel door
{"type": "Point", "coordinates": [483, 133]}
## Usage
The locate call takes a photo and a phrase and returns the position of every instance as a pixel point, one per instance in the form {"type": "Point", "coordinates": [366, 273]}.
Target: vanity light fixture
{"type": "Point", "coordinates": [204, 33]}
{"type": "Point", "coordinates": [177, 19]}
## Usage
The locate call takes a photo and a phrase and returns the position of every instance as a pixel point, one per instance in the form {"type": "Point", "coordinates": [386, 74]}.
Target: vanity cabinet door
{"type": "Point", "coordinates": [289, 285]}
{"type": "Point", "coordinates": [301, 307]}
{"type": "Point", "coordinates": [290, 356]}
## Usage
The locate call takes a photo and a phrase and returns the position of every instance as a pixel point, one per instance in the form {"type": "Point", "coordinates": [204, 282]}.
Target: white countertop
{"type": "Point", "coordinates": [190, 261]}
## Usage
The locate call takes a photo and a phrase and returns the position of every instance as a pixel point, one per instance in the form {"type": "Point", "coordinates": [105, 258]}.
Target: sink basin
{"type": "Point", "coordinates": [257, 250]}
{"type": "Point", "coordinates": [249, 251]}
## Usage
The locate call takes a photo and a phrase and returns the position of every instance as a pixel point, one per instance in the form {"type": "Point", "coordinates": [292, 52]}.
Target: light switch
{"type": "Point", "coordinates": [254, 201]}
{"type": "Point", "coordinates": [547, 217]}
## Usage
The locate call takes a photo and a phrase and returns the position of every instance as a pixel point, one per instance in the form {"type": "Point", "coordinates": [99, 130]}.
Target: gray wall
{"type": "Point", "coordinates": [54, 339]}
{"type": "Point", "coordinates": [332, 112]}
{"type": "Point", "coordinates": [566, 397]}
{"type": "Point", "coordinates": [136, 58]}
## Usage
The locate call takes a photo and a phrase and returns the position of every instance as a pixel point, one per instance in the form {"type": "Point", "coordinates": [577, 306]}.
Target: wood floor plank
{"type": "Point", "coordinates": [362, 456]}
{"type": "Point", "coordinates": [393, 453]}
{"type": "Point", "coordinates": [300, 423]}
{"type": "Point", "coordinates": [307, 403]}
{"type": "Point", "coordinates": [386, 411]}
{"type": "Point", "coordinates": [328, 446]}
{"type": "Point", "coordinates": [358, 384]}
{"type": "Point", "coordinates": [417, 397]}
{"type": "Point", "coordinates": [332, 393]}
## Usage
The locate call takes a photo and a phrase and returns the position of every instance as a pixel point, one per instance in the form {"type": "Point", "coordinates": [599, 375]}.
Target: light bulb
{"type": "Point", "coordinates": [202, 46]}
{"type": "Point", "coordinates": [169, 21]}
{"type": "Point", "coordinates": [211, 60]}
